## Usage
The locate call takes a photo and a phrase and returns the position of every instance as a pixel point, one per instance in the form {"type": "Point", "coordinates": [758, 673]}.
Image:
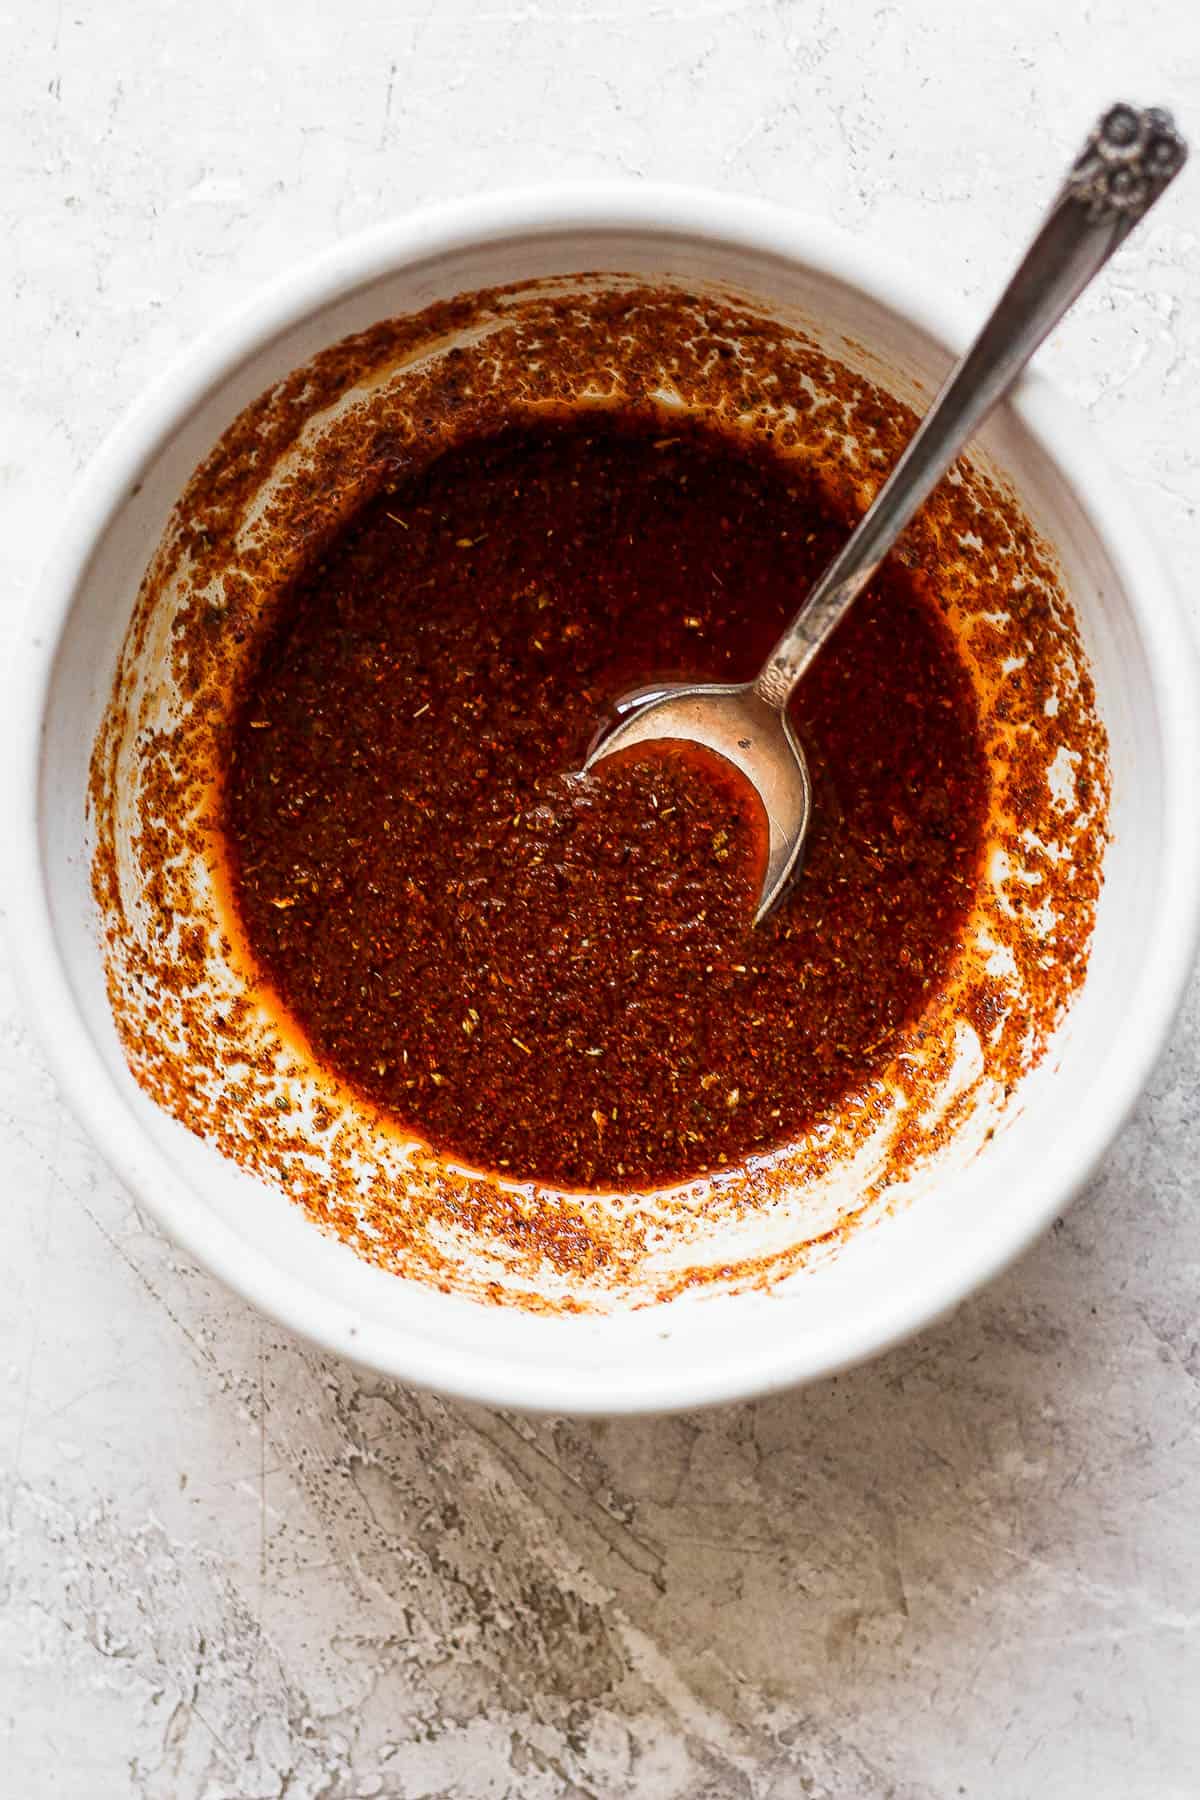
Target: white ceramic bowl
{"type": "Point", "coordinates": [886, 1282]}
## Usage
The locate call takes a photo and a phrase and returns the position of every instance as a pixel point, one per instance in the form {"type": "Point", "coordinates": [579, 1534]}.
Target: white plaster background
{"type": "Point", "coordinates": [232, 1567]}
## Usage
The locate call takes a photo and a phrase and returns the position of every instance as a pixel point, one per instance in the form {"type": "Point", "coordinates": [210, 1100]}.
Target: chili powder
{"type": "Point", "coordinates": [555, 976]}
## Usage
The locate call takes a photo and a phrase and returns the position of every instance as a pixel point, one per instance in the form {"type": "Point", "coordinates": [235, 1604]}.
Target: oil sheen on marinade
{"type": "Point", "coordinates": [553, 976]}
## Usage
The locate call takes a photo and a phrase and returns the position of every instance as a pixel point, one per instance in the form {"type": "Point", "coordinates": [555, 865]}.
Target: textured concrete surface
{"type": "Point", "coordinates": [231, 1567]}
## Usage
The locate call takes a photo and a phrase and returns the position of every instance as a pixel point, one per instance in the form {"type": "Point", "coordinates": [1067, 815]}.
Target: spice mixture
{"type": "Point", "coordinates": [553, 975]}
{"type": "Point", "coordinates": [212, 986]}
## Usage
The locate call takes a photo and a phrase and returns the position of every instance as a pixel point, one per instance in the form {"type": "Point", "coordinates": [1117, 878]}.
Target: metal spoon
{"type": "Point", "coordinates": [1125, 165]}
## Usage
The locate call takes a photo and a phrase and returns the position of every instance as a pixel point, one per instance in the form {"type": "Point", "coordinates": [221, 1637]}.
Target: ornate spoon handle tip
{"type": "Point", "coordinates": [1129, 158]}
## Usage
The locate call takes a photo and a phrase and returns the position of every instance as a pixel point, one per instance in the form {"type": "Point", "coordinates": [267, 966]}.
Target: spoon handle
{"type": "Point", "coordinates": [1127, 162]}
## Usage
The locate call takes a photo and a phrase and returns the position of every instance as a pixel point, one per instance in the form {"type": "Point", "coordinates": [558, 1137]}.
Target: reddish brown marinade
{"type": "Point", "coordinates": [556, 976]}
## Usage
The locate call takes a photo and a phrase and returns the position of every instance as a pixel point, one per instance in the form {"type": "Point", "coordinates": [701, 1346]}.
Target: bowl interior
{"type": "Point", "coordinates": [885, 1280]}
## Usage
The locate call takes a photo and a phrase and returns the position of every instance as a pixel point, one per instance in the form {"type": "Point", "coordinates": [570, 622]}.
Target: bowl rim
{"type": "Point", "coordinates": [480, 1372]}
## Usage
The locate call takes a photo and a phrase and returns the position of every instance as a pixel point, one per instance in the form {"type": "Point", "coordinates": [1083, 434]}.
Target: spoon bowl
{"type": "Point", "coordinates": [733, 722]}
